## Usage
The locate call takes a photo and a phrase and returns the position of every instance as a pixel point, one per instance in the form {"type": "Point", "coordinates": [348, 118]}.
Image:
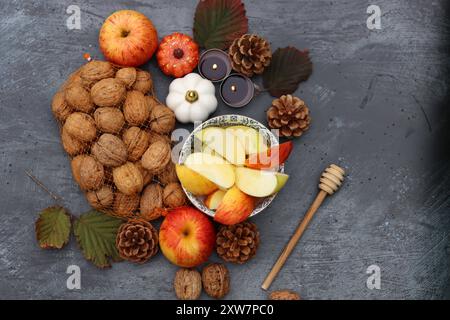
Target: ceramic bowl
{"type": "Point", "coordinates": [226, 121]}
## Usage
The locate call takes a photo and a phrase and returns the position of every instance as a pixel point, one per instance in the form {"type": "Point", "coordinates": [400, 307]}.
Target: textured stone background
{"type": "Point", "coordinates": [378, 101]}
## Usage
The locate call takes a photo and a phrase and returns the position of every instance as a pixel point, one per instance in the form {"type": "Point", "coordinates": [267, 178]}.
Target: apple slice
{"type": "Point", "coordinates": [214, 199]}
{"type": "Point", "coordinates": [213, 168]}
{"type": "Point", "coordinates": [194, 182]}
{"type": "Point", "coordinates": [271, 159]}
{"type": "Point", "coordinates": [235, 207]}
{"type": "Point", "coordinates": [252, 140]}
{"type": "Point", "coordinates": [256, 183]}
{"type": "Point", "coordinates": [224, 143]}
{"type": "Point", "coordinates": [282, 178]}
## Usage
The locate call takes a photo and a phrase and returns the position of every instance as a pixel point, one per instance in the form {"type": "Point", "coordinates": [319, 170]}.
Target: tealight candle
{"type": "Point", "coordinates": [214, 65]}
{"type": "Point", "coordinates": [237, 90]}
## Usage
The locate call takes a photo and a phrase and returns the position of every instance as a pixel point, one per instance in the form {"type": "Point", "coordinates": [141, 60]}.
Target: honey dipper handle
{"type": "Point", "coordinates": [294, 239]}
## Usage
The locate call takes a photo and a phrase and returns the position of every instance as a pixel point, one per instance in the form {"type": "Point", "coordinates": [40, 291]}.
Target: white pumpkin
{"type": "Point", "coordinates": [192, 98]}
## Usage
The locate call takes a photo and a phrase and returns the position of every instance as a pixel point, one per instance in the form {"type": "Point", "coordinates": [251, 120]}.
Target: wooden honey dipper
{"type": "Point", "coordinates": [330, 181]}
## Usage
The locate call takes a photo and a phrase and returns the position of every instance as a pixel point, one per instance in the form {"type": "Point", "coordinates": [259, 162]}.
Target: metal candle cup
{"type": "Point", "coordinates": [237, 90]}
{"type": "Point", "coordinates": [214, 65]}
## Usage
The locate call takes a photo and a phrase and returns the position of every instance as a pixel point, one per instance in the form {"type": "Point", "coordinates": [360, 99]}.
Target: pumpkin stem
{"type": "Point", "coordinates": [178, 53]}
{"type": "Point", "coordinates": [191, 96]}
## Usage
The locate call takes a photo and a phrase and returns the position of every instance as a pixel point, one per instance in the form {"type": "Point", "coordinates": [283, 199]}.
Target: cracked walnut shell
{"type": "Point", "coordinates": [109, 119]}
{"type": "Point", "coordinates": [108, 92]}
{"type": "Point", "coordinates": [81, 126]}
{"type": "Point", "coordinates": [156, 157]}
{"type": "Point", "coordinates": [128, 179]}
{"type": "Point", "coordinates": [110, 150]}
{"type": "Point", "coordinates": [136, 108]}
{"type": "Point", "coordinates": [216, 280]}
{"type": "Point", "coordinates": [137, 141]}
{"type": "Point", "coordinates": [188, 284]}
{"type": "Point", "coordinates": [151, 200]}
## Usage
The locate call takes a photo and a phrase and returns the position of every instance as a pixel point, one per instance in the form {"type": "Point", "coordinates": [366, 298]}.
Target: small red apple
{"type": "Point", "coordinates": [186, 237]}
{"type": "Point", "coordinates": [128, 38]}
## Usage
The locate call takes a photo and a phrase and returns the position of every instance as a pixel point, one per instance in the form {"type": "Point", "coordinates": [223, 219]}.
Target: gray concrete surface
{"type": "Point", "coordinates": [379, 102]}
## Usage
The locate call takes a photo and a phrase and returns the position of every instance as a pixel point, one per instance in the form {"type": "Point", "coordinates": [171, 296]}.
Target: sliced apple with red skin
{"type": "Point", "coordinates": [271, 159]}
{"type": "Point", "coordinates": [235, 207]}
{"type": "Point", "coordinates": [214, 199]}
{"type": "Point", "coordinates": [194, 182]}
{"type": "Point", "coordinates": [211, 167]}
{"type": "Point", "coordinates": [259, 183]}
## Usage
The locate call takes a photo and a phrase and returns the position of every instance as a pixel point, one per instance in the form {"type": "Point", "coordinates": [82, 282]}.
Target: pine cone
{"type": "Point", "coordinates": [237, 243]}
{"type": "Point", "coordinates": [250, 54]}
{"type": "Point", "coordinates": [290, 115]}
{"type": "Point", "coordinates": [137, 240]}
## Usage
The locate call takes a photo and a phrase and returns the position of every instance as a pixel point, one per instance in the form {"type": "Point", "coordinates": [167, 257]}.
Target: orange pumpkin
{"type": "Point", "coordinates": [177, 55]}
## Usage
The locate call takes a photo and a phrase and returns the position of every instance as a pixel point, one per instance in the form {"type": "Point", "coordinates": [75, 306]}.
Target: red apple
{"type": "Point", "coordinates": [235, 207]}
{"type": "Point", "coordinates": [186, 237]}
{"type": "Point", "coordinates": [271, 159]}
{"type": "Point", "coordinates": [128, 38]}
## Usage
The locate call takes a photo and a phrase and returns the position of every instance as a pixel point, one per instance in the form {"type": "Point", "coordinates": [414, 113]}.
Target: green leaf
{"type": "Point", "coordinates": [218, 22]}
{"type": "Point", "coordinates": [96, 236]}
{"type": "Point", "coordinates": [53, 228]}
{"type": "Point", "coordinates": [289, 67]}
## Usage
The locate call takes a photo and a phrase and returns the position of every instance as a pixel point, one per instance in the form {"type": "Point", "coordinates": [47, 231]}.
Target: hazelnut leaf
{"type": "Point", "coordinates": [218, 22]}
{"type": "Point", "coordinates": [96, 235]}
{"type": "Point", "coordinates": [289, 67]}
{"type": "Point", "coordinates": [53, 228]}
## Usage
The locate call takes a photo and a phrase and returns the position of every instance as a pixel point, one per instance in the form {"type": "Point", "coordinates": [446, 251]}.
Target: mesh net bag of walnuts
{"type": "Point", "coordinates": [117, 135]}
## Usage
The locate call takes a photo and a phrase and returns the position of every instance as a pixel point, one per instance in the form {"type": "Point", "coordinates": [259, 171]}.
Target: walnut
{"type": "Point", "coordinates": [173, 195]}
{"type": "Point", "coordinates": [75, 164]}
{"type": "Point", "coordinates": [137, 142]}
{"type": "Point", "coordinates": [110, 150]}
{"type": "Point", "coordinates": [143, 82]}
{"type": "Point", "coordinates": [158, 137]}
{"type": "Point", "coordinates": [73, 80]}
{"type": "Point", "coordinates": [147, 177]}
{"type": "Point", "coordinates": [95, 71]}
{"type": "Point", "coordinates": [188, 284]}
{"type": "Point", "coordinates": [71, 145]}
{"type": "Point", "coordinates": [109, 119]}
{"type": "Point", "coordinates": [151, 102]}
{"type": "Point", "coordinates": [101, 199]}
{"type": "Point", "coordinates": [128, 178]}
{"type": "Point", "coordinates": [91, 174]}
{"type": "Point", "coordinates": [156, 157]}
{"type": "Point", "coordinates": [216, 280]}
{"type": "Point", "coordinates": [60, 107]}
{"type": "Point", "coordinates": [108, 92]}
{"type": "Point", "coordinates": [127, 76]}
{"type": "Point", "coordinates": [79, 99]}
{"type": "Point", "coordinates": [168, 174]}
{"type": "Point", "coordinates": [125, 205]}
{"type": "Point", "coordinates": [151, 199]}
{"type": "Point", "coordinates": [81, 126]}
{"type": "Point", "coordinates": [284, 295]}
{"type": "Point", "coordinates": [162, 119]}
{"type": "Point", "coordinates": [136, 109]}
